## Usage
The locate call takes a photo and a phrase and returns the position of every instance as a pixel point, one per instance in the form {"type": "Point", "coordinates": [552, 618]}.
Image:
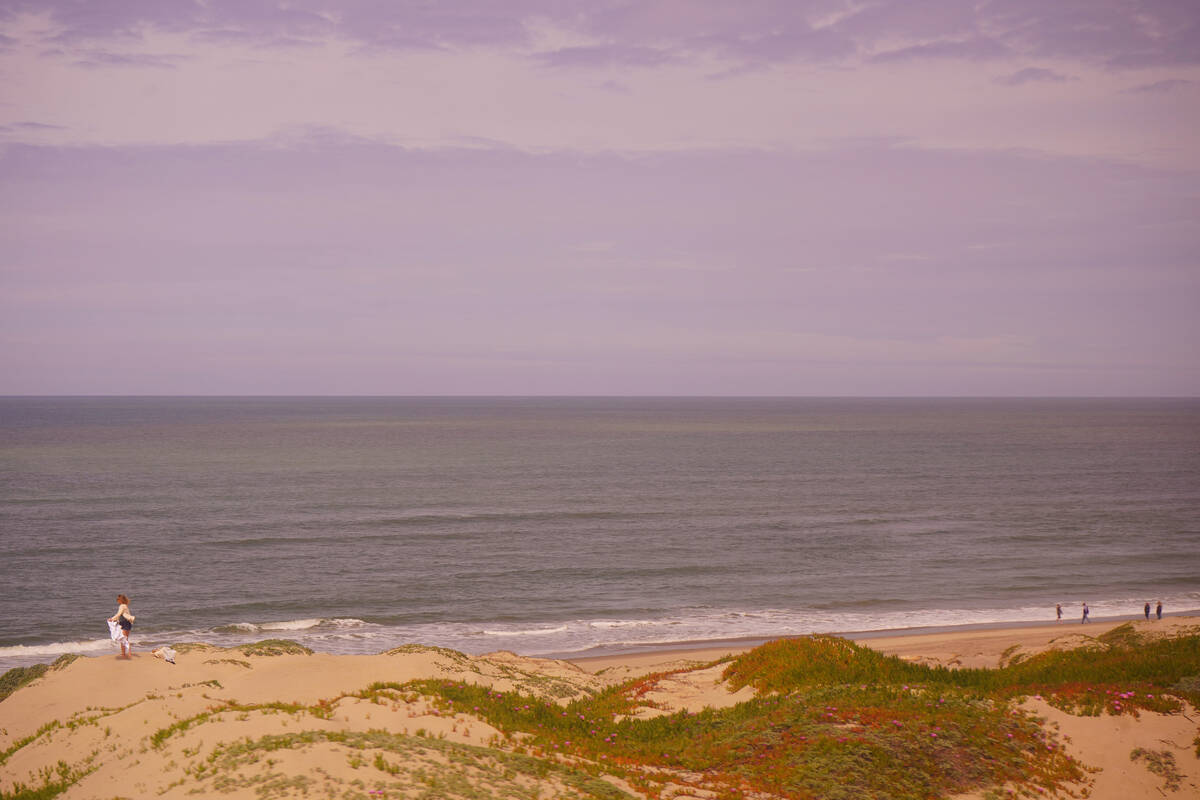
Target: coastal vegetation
{"type": "Point", "coordinates": [833, 719]}
{"type": "Point", "coordinates": [827, 718]}
{"type": "Point", "coordinates": [17, 677]}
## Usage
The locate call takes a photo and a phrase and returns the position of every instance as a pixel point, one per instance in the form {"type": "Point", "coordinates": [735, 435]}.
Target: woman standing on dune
{"type": "Point", "coordinates": [124, 618]}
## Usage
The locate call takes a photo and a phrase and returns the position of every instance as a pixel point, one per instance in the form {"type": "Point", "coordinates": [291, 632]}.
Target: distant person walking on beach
{"type": "Point", "coordinates": [1085, 613]}
{"type": "Point", "coordinates": [1158, 609]}
{"type": "Point", "coordinates": [1058, 611]}
{"type": "Point", "coordinates": [125, 619]}
{"type": "Point", "coordinates": [1147, 609]}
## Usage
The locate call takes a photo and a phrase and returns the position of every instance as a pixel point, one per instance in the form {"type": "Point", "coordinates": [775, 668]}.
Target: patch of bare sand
{"type": "Point", "coordinates": [1108, 742]}
{"type": "Point", "coordinates": [239, 726]}
{"type": "Point", "coordinates": [690, 690]}
{"type": "Point", "coordinates": [1129, 758]}
{"type": "Point", "coordinates": [994, 648]}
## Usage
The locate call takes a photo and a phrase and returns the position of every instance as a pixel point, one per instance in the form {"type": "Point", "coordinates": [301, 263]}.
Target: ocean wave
{"type": "Point", "coordinates": [530, 632]}
{"type": "Point", "coordinates": [21, 651]}
{"type": "Point", "coordinates": [291, 625]}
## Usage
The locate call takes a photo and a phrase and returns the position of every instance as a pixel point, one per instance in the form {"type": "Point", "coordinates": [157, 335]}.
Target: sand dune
{"type": "Point", "coordinates": [146, 728]}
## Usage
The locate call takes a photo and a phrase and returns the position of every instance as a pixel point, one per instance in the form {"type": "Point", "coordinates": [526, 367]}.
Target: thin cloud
{"type": "Point", "coordinates": [1117, 35]}
{"type": "Point", "coordinates": [99, 59]}
{"type": "Point", "coordinates": [802, 43]}
{"type": "Point", "coordinates": [657, 32]}
{"type": "Point", "coordinates": [595, 56]}
{"type": "Point", "coordinates": [1160, 87]}
{"type": "Point", "coordinates": [615, 86]}
{"type": "Point", "coordinates": [36, 126]}
{"type": "Point", "coordinates": [1032, 75]}
{"type": "Point", "coordinates": [976, 49]}
{"type": "Point", "coordinates": [223, 36]}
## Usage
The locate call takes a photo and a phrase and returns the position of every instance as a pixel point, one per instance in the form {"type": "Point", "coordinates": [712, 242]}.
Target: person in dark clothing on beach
{"type": "Point", "coordinates": [1158, 609]}
{"type": "Point", "coordinates": [1147, 609]}
{"type": "Point", "coordinates": [1085, 613]}
{"type": "Point", "coordinates": [1058, 611]}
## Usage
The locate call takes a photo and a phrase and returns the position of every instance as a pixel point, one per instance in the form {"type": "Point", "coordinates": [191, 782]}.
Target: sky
{"type": "Point", "coordinates": [600, 197]}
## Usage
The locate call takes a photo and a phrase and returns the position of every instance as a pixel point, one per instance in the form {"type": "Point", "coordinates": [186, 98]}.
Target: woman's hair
{"type": "Point", "coordinates": [122, 599]}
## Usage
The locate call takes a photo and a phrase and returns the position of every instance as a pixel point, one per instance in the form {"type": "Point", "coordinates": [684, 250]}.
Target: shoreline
{"type": "Point", "coordinates": [743, 643]}
{"type": "Point", "coordinates": [673, 648]}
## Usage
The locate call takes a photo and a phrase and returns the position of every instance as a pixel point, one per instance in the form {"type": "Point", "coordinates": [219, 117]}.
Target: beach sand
{"type": "Point", "coordinates": [109, 715]}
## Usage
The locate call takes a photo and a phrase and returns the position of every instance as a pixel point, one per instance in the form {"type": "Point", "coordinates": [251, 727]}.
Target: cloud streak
{"type": "Point", "coordinates": [1120, 34]}
{"type": "Point", "coordinates": [1032, 75]}
{"type": "Point", "coordinates": [99, 59]}
{"type": "Point", "coordinates": [1161, 87]}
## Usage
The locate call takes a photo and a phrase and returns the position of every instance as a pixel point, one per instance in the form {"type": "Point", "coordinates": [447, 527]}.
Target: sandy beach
{"type": "Point", "coordinates": [106, 727]}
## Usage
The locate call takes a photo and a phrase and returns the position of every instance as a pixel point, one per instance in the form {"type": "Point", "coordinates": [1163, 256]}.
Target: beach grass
{"type": "Point", "coordinates": [17, 677]}
{"type": "Point", "coordinates": [274, 647]}
{"type": "Point", "coordinates": [833, 719]}
{"type": "Point", "coordinates": [827, 718]}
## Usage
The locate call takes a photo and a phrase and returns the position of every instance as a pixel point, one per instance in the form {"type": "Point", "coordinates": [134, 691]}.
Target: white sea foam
{"type": "Point", "coordinates": [21, 651]}
{"type": "Point", "coordinates": [529, 632]}
{"type": "Point", "coordinates": [290, 625]}
{"type": "Point", "coordinates": [567, 637]}
{"type": "Point", "coordinates": [294, 625]}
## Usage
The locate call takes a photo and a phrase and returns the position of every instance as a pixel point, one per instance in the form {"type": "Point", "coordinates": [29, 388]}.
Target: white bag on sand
{"type": "Point", "coordinates": [114, 630]}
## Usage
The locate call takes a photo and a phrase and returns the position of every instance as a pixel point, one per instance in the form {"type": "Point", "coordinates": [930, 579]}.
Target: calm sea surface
{"type": "Point", "coordinates": [553, 526]}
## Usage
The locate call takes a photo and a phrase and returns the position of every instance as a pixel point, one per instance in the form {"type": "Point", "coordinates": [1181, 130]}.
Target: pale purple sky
{"type": "Point", "coordinates": [782, 197]}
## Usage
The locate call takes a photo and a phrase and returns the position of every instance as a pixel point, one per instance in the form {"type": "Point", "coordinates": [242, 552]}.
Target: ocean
{"type": "Point", "coordinates": [575, 526]}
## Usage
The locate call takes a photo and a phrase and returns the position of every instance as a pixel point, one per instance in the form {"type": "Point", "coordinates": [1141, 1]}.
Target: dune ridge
{"type": "Point", "coordinates": [274, 720]}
